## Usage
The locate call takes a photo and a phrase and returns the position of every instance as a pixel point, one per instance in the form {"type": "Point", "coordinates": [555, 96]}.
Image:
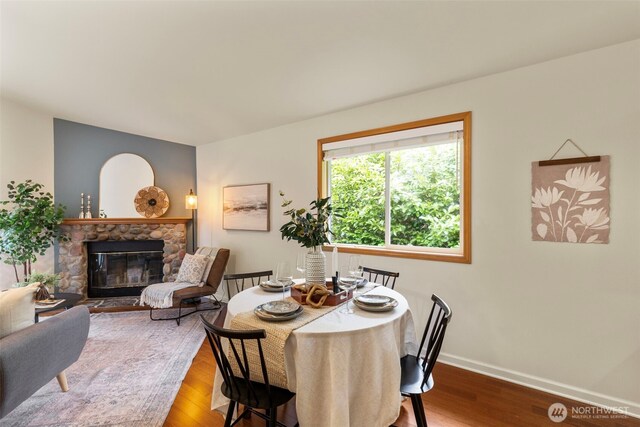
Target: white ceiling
{"type": "Point", "coordinates": [199, 71]}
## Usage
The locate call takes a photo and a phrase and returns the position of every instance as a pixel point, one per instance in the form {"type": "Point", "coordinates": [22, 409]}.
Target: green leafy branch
{"type": "Point", "coordinates": [310, 228]}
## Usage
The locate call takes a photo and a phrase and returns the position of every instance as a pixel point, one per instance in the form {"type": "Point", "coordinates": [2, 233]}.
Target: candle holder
{"type": "Point", "coordinates": [81, 214]}
{"type": "Point", "coordinates": [88, 213]}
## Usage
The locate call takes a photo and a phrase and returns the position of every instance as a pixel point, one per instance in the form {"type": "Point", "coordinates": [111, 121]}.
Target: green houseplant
{"type": "Point", "coordinates": [310, 228]}
{"type": "Point", "coordinates": [49, 280]}
{"type": "Point", "coordinates": [29, 224]}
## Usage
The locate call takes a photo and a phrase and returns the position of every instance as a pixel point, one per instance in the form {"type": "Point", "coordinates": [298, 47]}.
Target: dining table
{"type": "Point", "coordinates": [344, 368]}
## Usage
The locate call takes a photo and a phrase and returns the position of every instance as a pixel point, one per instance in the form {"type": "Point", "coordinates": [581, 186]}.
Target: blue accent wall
{"type": "Point", "coordinates": [80, 151]}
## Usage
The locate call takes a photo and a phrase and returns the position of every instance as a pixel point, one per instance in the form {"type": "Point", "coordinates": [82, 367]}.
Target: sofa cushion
{"type": "Point", "coordinates": [192, 269]}
{"type": "Point", "coordinates": [17, 309]}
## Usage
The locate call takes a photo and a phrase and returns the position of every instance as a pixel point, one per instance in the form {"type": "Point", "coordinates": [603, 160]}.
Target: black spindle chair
{"type": "Point", "coordinates": [416, 371]}
{"type": "Point", "coordinates": [242, 389]}
{"type": "Point", "coordinates": [386, 278]}
{"type": "Point", "coordinates": [242, 279]}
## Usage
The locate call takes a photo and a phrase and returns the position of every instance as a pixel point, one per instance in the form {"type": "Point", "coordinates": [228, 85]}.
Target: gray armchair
{"type": "Point", "coordinates": [33, 356]}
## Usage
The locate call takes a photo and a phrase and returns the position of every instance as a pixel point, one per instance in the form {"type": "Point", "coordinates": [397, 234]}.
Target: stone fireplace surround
{"type": "Point", "coordinates": [72, 256]}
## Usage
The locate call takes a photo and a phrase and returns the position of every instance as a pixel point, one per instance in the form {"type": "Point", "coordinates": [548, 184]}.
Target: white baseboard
{"type": "Point", "coordinates": [542, 384]}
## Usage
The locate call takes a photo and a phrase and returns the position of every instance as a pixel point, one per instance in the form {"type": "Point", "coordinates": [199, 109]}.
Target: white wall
{"type": "Point", "coordinates": [26, 152]}
{"type": "Point", "coordinates": [562, 317]}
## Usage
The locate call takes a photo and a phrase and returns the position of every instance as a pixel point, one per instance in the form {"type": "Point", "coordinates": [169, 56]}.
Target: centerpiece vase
{"type": "Point", "coordinates": [315, 266]}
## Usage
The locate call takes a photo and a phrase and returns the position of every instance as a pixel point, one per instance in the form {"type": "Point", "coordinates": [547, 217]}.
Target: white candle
{"type": "Point", "coordinates": [334, 261]}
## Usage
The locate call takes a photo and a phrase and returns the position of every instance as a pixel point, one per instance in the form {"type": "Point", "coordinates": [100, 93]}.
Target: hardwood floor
{"type": "Point", "coordinates": [459, 398]}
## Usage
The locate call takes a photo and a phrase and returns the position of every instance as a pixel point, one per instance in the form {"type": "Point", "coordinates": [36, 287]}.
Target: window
{"type": "Point", "coordinates": [402, 190]}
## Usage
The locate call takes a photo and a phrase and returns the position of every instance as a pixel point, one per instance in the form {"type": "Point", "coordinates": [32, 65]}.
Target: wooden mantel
{"type": "Point", "coordinates": [167, 220]}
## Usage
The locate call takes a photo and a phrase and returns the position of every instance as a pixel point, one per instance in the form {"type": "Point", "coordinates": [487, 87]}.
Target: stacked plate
{"type": "Point", "coordinates": [278, 311]}
{"type": "Point", "coordinates": [273, 286]}
{"type": "Point", "coordinates": [375, 302]}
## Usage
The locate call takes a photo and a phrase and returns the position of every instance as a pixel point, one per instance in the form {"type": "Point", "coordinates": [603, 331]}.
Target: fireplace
{"type": "Point", "coordinates": [124, 267]}
{"type": "Point", "coordinates": [73, 259]}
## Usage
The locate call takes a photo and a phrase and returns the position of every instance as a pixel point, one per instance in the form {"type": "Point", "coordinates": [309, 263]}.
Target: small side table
{"type": "Point", "coordinates": [70, 300]}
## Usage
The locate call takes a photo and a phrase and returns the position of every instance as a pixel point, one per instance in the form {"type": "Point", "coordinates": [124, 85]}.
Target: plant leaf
{"type": "Point", "coordinates": [583, 196]}
{"type": "Point", "coordinates": [542, 230]}
{"type": "Point", "coordinates": [545, 216]}
{"type": "Point", "coordinates": [592, 238]}
{"type": "Point", "coordinates": [571, 235]}
{"type": "Point", "coordinates": [590, 202]}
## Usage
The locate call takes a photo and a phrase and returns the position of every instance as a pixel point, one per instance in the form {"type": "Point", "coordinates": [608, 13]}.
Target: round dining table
{"type": "Point", "coordinates": [344, 368]}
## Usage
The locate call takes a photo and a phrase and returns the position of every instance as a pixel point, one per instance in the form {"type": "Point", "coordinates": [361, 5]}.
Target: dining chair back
{"type": "Point", "coordinates": [240, 280]}
{"type": "Point", "coordinates": [234, 348]}
{"type": "Point", "coordinates": [386, 278]}
{"type": "Point", "coordinates": [416, 371]}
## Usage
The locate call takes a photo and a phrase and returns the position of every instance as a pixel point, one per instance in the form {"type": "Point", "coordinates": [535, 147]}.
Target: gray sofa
{"type": "Point", "coordinates": [33, 356]}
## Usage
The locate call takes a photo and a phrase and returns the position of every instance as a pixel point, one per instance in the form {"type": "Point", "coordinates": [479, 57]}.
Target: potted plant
{"type": "Point", "coordinates": [310, 228]}
{"type": "Point", "coordinates": [29, 223]}
{"type": "Point", "coordinates": [48, 284]}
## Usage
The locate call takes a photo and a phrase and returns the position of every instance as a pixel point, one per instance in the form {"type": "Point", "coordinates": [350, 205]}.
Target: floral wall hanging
{"type": "Point", "coordinates": [151, 202]}
{"type": "Point", "coordinates": [570, 202]}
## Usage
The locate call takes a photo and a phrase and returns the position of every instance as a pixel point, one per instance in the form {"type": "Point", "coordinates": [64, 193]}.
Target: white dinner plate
{"type": "Point", "coordinates": [375, 300]}
{"type": "Point", "coordinates": [280, 307]}
{"type": "Point", "coordinates": [377, 308]}
{"type": "Point", "coordinates": [276, 318]}
{"type": "Point", "coordinates": [268, 287]}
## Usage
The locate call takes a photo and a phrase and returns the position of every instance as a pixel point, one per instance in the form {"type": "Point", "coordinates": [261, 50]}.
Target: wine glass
{"type": "Point", "coordinates": [283, 275]}
{"type": "Point", "coordinates": [355, 268]}
{"type": "Point", "coordinates": [301, 263]}
{"type": "Point", "coordinates": [347, 283]}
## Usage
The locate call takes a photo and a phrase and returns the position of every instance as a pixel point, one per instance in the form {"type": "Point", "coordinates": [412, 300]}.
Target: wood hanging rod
{"type": "Point", "coordinates": [573, 160]}
{"type": "Point", "coordinates": [569, 161]}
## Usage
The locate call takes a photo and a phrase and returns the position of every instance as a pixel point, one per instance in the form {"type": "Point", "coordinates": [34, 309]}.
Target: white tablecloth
{"type": "Point", "coordinates": [344, 368]}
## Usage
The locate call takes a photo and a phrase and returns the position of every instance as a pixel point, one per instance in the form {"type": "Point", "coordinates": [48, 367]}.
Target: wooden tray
{"type": "Point", "coordinates": [332, 300]}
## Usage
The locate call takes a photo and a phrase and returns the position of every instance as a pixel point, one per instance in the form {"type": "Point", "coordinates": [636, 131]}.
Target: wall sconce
{"type": "Point", "coordinates": [191, 203]}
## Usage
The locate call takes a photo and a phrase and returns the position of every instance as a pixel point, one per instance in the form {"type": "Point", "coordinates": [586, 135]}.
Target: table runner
{"type": "Point", "coordinates": [273, 345]}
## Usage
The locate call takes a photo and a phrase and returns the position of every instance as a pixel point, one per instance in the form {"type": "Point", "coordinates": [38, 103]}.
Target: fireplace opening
{"type": "Point", "coordinates": [123, 267]}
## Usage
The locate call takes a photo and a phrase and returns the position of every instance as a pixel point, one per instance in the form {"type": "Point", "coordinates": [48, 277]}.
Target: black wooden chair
{"type": "Point", "coordinates": [416, 371]}
{"type": "Point", "coordinates": [243, 390]}
{"type": "Point", "coordinates": [386, 278]}
{"type": "Point", "coordinates": [242, 279]}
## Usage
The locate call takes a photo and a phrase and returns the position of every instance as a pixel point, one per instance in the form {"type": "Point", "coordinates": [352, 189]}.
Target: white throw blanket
{"type": "Point", "coordinates": [160, 295]}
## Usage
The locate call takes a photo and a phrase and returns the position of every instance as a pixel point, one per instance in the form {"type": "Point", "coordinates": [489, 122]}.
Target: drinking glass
{"type": "Point", "coordinates": [347, 283]}
{"type": "Point", "coordinates": [301, 263]}
{"type": "Point", "coordinates": [355, 268]}
{"type": "Point", "coordinates": [283, 275]}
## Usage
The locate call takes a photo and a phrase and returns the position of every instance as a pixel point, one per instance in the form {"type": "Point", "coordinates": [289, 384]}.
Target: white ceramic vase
{"type": "Point", "coordinates": [315, 266]}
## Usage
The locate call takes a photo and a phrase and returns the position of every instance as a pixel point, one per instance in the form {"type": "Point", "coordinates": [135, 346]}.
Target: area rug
{"type": "Point", "coordinates": [128, 374]}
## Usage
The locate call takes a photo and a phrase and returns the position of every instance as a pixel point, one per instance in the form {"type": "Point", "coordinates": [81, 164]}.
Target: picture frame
{"type": "Point", "coordinates": [246, 207]}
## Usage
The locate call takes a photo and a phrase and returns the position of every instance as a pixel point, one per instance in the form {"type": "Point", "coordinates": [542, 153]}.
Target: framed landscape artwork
{"type": "Point", "coordinates": [246, 207]}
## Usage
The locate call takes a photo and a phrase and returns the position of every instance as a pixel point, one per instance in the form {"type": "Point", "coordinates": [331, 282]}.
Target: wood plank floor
{"type": "Point", "coordinates": [460, 398]}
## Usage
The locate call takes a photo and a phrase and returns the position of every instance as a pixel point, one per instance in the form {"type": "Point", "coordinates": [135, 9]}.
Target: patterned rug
{"type": "Point", "coordinates": [127, 376]}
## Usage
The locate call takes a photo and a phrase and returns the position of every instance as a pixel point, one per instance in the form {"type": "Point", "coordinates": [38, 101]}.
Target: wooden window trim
{"type": "Point", "coordinates": [465, 256]}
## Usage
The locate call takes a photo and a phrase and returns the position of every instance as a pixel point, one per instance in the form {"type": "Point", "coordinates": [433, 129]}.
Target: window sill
{"type": "Point", "coordinates": [464, 258]}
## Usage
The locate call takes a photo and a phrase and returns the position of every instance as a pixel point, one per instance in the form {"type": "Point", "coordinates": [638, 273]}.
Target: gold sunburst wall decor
{"type": "Point", "coordinates": [151, 202]}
